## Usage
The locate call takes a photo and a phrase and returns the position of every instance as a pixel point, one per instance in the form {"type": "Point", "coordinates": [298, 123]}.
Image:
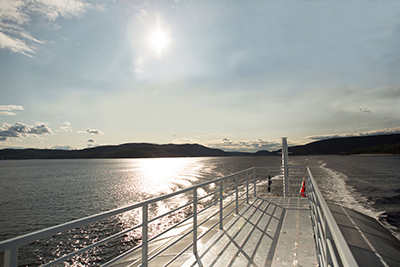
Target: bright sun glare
{"type": "Point", "coordinates": [159, 41]}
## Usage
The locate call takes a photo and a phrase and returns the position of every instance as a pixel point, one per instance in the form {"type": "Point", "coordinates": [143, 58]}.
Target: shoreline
{"type": "Point", "coordinates": [378, 154]}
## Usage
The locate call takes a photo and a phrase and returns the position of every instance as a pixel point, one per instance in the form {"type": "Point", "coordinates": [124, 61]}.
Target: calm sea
{"type": "Point", "coordinates": [35, 194]}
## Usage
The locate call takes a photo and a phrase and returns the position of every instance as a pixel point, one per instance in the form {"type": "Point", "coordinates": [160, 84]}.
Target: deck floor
{"type": "Point", "coordinates": [268, 232]}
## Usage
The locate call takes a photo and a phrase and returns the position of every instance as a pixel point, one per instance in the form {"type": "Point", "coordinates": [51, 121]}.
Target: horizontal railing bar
{"type": "Point", "coordinates": [240, 204]}
{"type": "Point", "coordinates": [227, 205]}
{"type": "Point", "coordinates": [227, 186]}
{"type": "Point", "coordinates": [173, 243]}
{"type": "Point", "coordinates": [209, 218]}
{"type": "Point", "coordinates": [184, 235]}
{"type": "Point", "coordinates": [96, 244]}
{"type": "Point", "coordinates": [212, 227]}
{"type": "Point", "coordinates": [169, 212]}
{"type": "Point", "coordinates": [30, 237]}
{"type": "Point", "coordinates": [230, 194]}
{"type": "Point", "coordinates": [228, 214]}
{"type": "Point", "coordinates": [172, 227]}
{"type": "Point", "coordinates": [206, 196]}
{"type": "Point", "coordinates": [121, 255]}
{"type": "Point", "coordinates": [207, 207]}
{"type": "Point", "coordinates": [209, 230]}
{"type": "Point", "coordinates": [272, 186]}
{"type": "Point", "coordinates": [243, 179]}
{"type": "Point", "coordinates": [240, 196]}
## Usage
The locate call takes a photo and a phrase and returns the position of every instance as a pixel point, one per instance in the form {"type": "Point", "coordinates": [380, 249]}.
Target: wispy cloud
{"type": "Point", "coordinates": [394, 130]}
{"type": "Point", "coordinates": [365, 109]}
{"type": "Point", "coordinates": [62, 147]}
{"type": "Point", "coordinates": [21, 130]}
{"type": "Point", "coordinates": [91, 131]}
{"type": "Point", "coordinates": [94, 131]}
{"type": "Point", "coordinates": [8, 109]}
{"type": "Point", "coordinates": [245, 146]}
{"type": "Point", "coordinates": [16, 15]}
{"type": "Point", "coordinates": [65, 128]}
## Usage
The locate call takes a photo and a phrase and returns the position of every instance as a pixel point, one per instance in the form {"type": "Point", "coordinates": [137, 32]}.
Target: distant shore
{"type": "Point", "coordinates": [367, 155]}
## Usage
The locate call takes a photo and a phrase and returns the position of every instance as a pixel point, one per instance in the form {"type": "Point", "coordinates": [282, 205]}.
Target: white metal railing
{"type": "Point", "coordinates": [234, 189]}
{"type": "Point", "coordinates": [332, 248]}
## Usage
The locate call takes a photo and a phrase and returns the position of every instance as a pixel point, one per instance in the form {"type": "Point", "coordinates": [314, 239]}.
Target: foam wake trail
{"type": "Point", "coordinates": [334, 188]}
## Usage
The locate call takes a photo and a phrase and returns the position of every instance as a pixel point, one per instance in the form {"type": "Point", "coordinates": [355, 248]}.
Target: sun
{"type": "Point", "coordinates": [159, 41]}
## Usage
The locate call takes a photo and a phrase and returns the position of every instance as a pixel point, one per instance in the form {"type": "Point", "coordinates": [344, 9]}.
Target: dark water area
{"type": "Point", "coordinates": [369, 184]}
{"type": "Point", "coordinates": [36, 194]}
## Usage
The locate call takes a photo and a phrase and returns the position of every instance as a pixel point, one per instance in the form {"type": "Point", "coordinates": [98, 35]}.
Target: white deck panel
{"type": "Point", "coordinates": [268, 232]}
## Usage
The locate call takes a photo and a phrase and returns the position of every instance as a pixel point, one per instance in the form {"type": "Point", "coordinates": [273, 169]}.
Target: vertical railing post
{"type": "Point", "coordinates": [255, 182]}
{"type": "Point", "coordinates": [11, 257]}
{"type": "Point", "coordinates": [285, 165]}
{"type": "Point", "coordinates": [237, 193]}
{"type": "Point", "coordinates": [247, 187]}
{"type": "Point", "coordinates": [328, 235]}
{"type": "Point", "coordinates": [324, 231]}
{"type": "Point", "coordinates": [145, 245]}
{"type": "Point", "coordinates": [221, 204]}
{"type": "Point", "coordinates": [195, 221]}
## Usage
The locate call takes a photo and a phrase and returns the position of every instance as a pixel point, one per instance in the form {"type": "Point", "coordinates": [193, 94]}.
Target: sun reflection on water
{"type": "Point", "coordinates": [148, 178]}
{"type": "Point", "coordinates": [162, 175]}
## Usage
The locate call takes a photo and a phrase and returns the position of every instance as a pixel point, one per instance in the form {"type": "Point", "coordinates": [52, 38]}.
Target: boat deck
{"type": "Point", "coordinates": [268, 232]}
{"type": "Point", "coordinates": [272, 231]}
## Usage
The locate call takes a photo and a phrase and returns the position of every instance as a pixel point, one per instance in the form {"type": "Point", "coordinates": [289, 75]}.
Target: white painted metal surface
{"type": "Point", "coordinates": [285, 166]}
{"type": "Point", "coordinates": [326, 231]}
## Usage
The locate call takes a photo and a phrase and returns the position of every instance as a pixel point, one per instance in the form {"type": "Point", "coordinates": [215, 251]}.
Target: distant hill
{"type": "Point", "coordinates": [379, 144]}
{"type": "Point", "coordinates": [348, 145]}
{"type": "Point", "coordinates": [378, 149]}
{"type": "Point", "coordinates": [135, 150]}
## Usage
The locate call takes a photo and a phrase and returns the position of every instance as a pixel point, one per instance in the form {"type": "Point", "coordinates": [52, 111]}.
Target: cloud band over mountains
{"type": "Point", "coordinates": [394, 130]}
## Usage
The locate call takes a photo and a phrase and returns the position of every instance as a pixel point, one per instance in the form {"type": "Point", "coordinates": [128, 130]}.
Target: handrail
{"type": "Point", "coordinates": [327, 234]}
{"type": "Point", "coordinates": [10, 247]}
{"type": "Point", "coordinates": [326, 230]}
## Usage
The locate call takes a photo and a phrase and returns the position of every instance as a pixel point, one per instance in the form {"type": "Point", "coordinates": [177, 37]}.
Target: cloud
{"type": "Point", "coordinates": [394, 130]}
{"type": "Point", "coordinates": [7, 109]}
{"type": "Point", "coordinates": [7, 113]}
{"type": "Point", "coordinates": [245, 146]}
{"type": "Point", "coordinates": [20, 130]}
{"type": "Point", "coordinates": [61, 147]}
{"type": "Point", "coordinates": [185, 141]}
{"type": "Point", "coordinates": [15, 15]}
{"type": "Point", "coordinates": [365, 109]}
{"type": "Point", "coordinates": [94, 131]}
{"type": "Point", "coordinates": [91, 131]}
{"type": "Point", "coordinates": [66, 128]}
{"type": "Point", "coordinates": [337, 106]}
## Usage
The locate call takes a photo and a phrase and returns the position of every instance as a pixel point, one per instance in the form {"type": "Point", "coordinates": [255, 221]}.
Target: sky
{"type": "Point", "coordinates": [234, 75]}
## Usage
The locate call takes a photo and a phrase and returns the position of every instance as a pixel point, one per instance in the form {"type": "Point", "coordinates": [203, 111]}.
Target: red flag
{"type": "Point", "coordinates": [302, 188]}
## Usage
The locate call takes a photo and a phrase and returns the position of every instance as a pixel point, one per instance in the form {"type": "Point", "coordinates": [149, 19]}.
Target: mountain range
{"type": "Point", "coordinates": [385, 144]}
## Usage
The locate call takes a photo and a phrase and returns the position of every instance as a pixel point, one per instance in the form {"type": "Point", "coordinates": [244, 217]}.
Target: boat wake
{"type": "Point", "coordinates": [336, 190]}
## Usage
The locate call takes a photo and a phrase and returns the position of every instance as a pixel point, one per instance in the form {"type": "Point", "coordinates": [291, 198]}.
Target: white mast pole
{"type": "Point", "coordinates": [285, 167]}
